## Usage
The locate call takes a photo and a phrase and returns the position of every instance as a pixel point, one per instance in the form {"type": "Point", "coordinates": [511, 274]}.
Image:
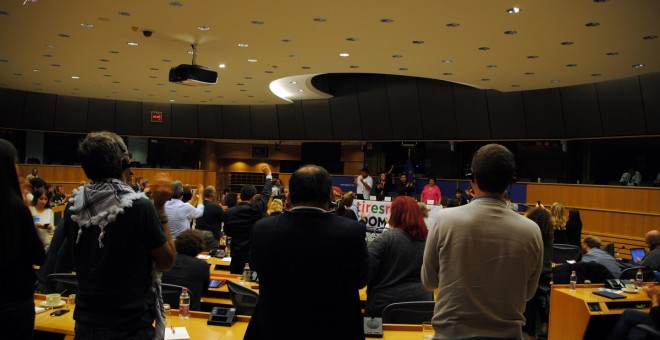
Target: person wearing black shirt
{"type": "Point", "coordinates": [402, 187]}
{"type": "Point", "coordinates": [212, 218]}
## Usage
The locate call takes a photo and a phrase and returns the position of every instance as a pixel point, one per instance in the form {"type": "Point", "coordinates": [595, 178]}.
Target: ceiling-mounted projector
{"type": "Point", "coordinates": [193, 74]}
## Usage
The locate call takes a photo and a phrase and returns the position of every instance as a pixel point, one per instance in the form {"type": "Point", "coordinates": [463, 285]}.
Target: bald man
{"type": "Point", "coordinates": [652, 259]}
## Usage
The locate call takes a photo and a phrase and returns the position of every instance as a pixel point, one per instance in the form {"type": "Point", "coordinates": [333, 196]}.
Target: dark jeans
{"type": "Point", "coordinates": [85, 331]}
{"type": "Point", "coordinates": [17, 318]}
{"type": "Point", "coordinates": [625, 327]}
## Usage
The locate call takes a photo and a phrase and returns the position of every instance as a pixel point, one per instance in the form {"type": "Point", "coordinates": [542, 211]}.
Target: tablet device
{"type": "Point", "coordinates": [216, 283]}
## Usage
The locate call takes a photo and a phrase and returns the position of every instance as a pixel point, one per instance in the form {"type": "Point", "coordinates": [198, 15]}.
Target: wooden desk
{"type": "Point", "coordinates": [197, 327]}
{"type": "Point", "coordinates": [573, 313]}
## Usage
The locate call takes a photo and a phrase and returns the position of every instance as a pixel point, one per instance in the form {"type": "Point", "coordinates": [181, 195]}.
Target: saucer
{"type": "Point", "coordinates": [630, 291]}
{"type": "Point", "coordinates": [46, 304]}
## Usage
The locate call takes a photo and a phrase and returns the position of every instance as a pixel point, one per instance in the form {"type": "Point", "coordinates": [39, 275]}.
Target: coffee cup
{"type": "Point", "coordinates": [630, 286]}
{"type": "Point", "coordinates": [53, 299]}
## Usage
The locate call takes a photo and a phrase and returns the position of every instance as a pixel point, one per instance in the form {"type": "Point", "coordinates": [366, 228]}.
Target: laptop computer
{"type": "Point", "coordinates": [637, 254]}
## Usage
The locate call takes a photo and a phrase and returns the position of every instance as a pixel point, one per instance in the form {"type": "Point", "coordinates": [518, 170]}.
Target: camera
{"type": "Point", "coordinates": [147, 33]}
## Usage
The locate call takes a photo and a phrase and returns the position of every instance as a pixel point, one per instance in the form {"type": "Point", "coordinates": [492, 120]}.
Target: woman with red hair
{"type": "Point", "coordinates": [396, 259]}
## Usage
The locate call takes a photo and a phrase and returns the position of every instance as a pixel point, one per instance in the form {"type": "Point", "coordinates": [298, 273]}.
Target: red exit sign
{"type": "Point", "coordinates": [156, 117]}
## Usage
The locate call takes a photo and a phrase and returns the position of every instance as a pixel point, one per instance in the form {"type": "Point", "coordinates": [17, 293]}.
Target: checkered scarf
{"type": "Point", "coordinates": [99, 203]}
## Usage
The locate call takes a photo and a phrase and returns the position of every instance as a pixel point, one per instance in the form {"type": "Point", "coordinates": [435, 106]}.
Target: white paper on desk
{"type": "Point", "coordinates": [226, 259]}
{"type": "Point", "coordinates": [38, 310]}
{"type": "Point", "coordinates": [203, 257]}
{"type": "Point", "coordinates": [180, 333]}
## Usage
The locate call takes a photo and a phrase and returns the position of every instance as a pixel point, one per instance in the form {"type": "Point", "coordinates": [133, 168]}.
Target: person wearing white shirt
{"type": "Point", "coordinates": [364, 183]}
{"type": "Point", "coordinates": [631, 177]}
{"type": "Point", "coordinates": [180, 214]}
{"type": "Point", "coordinates": [656, 182]}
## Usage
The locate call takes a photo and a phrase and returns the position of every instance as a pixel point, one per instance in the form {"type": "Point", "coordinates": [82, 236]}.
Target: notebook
{"type": "Point", "coordinates": [637, 254]}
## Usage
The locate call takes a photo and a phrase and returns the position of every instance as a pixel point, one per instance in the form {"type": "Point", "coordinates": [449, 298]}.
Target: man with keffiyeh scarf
{"type": "Point", "coordinates": [121, 245]}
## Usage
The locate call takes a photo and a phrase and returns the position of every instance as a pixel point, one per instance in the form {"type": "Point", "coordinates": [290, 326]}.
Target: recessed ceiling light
{"type": "Point", "coordinates": [154, 68]}
{"type": "Point", "coordinates": [203, 28]}
{"type": "Point", "coordinates": [596, 74]}
{"type": "Point", "coordinates": [513, 10]}
{"type": "Point", "coordinates": [484, 48]}
{"type": "Point", "coordinates": [62, 35]}
{"type": "Point", "coordinates": [447, 61]}
{"type": "Point", "coordinates": [167, 60]}
{"type": "Point", "coordinates": [510, 32]}
{"type": "Point", "coordinates": [485, 79]}
{"type": "Point", "coordinates": [397, 56]}
{"type": "Point", "coordinates": [306, 67]}
{"type": "Point", "coordinates": [386, 20]}
{"type": "Point", "coordinates": [293, 56]}
{"type": "Point", "coordinates": [344, 55]}
{"type": "Point", "coordinates": [114, 52]}
{"type": "Point", "coordinates": [176, 4]}
{"type": "Point", "coordinates": [515, 85]}
{"type": "Point", "coordinates": [567, 43]}
{"type": "Point", "coordinates": [529, 73]}
{"type": "Point", "coordinates": [243, 90]}
{"type": "Point", "coordinates": [47, 55]}
{"type": "Point", "coordinates": [287, 41]}
{"type": "Point", "coordinates": [125, 14]}
{"type": "Point", "coordinates": [104, 60]}
{"type": "Point", "coordinates": [650, 37]}
{"type": "Point", "coordinates": [35, 70]}
{"type": "Point", "coordinates": [240, 84]}
{"type": "Point", "coordinates": [491, 66]}
{"type": "Point", "coordinates": [252, 60]}
{"type": "Point", "coordinates": [418, 42]}
{"type": "Point", "coordinates": [4, 61]}
{"type": "Point", "coordinates": [320, 19]}
{"type": "Point", "coordinates": [75, 77]}
{"type": "Point", "coordinates": [352, 39]}
{"type": "Point", "coordinates": [301, 90]}
{"type": "Point", "coordinates": [267, 71]}
{"type": "Point", "coordinates": [153, 77]}
{"type": "Point", "coordinates": [293, 82]}
{"type": "Point", "coordinates": [51, 46]}
{"type": "Point", "coordinates": [17, 74]}
{"type": "Point", "coordinates": [222, 65]}
{"type": "Point", "coordinates": [532, 57]}
{"type": "Point", "coordinates": [612, 53]}
{"type": "Point", "coordinates": [403, 69]}
{"type": "Point", "coordinates": [354, 66]}
{"type": "Point", "coordinates": [453, 24]}
{"type": "Point", "coordinates": [132, 43]}
{"type": "Point", "coordinates": [257, 22]}
{"type": "Point", "coordinates": [160, 84]}
{"type": "Point", "coordinates": [571, 65]}
{"type": "Point", "coordinates": [555, 81]}
{"type": "Point", "coordinates": [87, 25]}
{"type": "Point", "coordinates": [248, 78]}
{"type": "Point", "coordinates": [592, 24]}
{"type": "Point", "coordinates": [55, 65]}
{"type": "Point", "coordinates": [102, 68]}
{"type": "Point", "coordinates": [447, 74]}
{"type": "Point", "coordinates": [638, 65]}
{"type": "Point", "coordinates": [172, 100]}
{"type": "Point", "coordinates": [107, 75]}
{"type": "Point", "coordinates": [243, 45]}
{"type": "Point", "coordinates": [3, 13]}
{"type": "Point", "coordinates": [191, 52]}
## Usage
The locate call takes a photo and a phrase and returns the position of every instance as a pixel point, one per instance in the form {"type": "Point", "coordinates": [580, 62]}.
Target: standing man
{"type": "Point", "coordinates": [211, 220]}
{"type": "Point", "coordinates": [118, 236]}
{"type": "Point", "coordinates": [484, 259]}
{"type": "Point", "coordinates": [364, 183]}
{"type": "Point", "coordinates": [181, 214]}
{"type": "Point", "coordinates": [240, 219]}
{"type": "Point", "coordinates": [403, 187]}
{"type": "Point", "coordinates": [338, 266]}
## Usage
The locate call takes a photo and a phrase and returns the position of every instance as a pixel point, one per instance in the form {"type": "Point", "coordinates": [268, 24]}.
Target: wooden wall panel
{"type": "Point", "coordinates": [436, 100]}
{"type": "Point", "coordinates": [12, 103]}
{"type": "Point", "coordinates": [264, 121]}
{"type": "Point", "coordinates": [71, 114]}
{"type": "Point", "coordinates": [345, 110]}
{"type": "Point", "coordinates": [472, 120]}
{"type": "Point", "coordinates": [507, 114]}
{"type": "Point", "coordinates": [39, 111]}
{"type": "Point", "coordinates": [403, 99]}
{"type": "Point", "coordinates": [100, 115]}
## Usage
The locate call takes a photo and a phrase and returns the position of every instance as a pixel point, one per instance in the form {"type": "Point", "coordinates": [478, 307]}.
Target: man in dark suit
{"type": "Point", "coordinates": [211, 220]}
{"type": "Point", "coordinates": [240, 219]}
{"type": "Point", "coordinates": [311, 264]}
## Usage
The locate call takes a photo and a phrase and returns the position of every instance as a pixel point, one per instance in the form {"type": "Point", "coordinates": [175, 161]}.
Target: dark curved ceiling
{"type": "Point", "coordinates": [45, 44]}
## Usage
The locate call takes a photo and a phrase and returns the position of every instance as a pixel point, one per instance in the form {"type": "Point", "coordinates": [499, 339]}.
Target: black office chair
{"type": "Point", "coordinates": [62, 282]}
{"type": "Point", "coordinates": [171, 294]}
{"type": "Point", "coordinates": [244, 299]}
{"type": "Point", "coordinates": [651, 332]}
{"type": "Point", "coordinates": [609, 248]}
{"type": "Point", "coordinates": [414, 312]}
{"type": "Point", "coordinates": [565, 252]}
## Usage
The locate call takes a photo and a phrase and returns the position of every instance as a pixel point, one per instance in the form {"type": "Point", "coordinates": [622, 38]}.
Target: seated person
{"type": "Point", "coordinates": [189, 271]}
{"type": "Point", "coordinates": [460, 199]}
{"type": "Point", "coordinates": [652, 259]}
{"type": "Point", "coordinates": [593, 253]}
{"type": "Point", "coordinates": [625, 327]}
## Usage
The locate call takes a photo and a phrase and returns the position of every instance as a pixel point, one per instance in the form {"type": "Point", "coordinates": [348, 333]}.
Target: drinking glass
{"type": "Point", "coordinates": [71, 301]}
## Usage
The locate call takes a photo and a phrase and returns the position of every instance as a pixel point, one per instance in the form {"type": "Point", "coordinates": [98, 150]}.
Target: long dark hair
{"type": "Point", "coordinates": [10, 212]}
{"type": "Point", "coordinates": [574, 216]}
{"type": "Point", "coordinates": [543, 220]}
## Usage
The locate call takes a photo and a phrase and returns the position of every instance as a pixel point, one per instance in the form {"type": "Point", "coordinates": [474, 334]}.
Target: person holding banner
{"type": "Point", "coordinates": [431, 192]}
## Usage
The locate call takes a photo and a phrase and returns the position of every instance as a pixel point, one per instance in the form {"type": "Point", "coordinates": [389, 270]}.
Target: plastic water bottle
{"type": "Point", "coordinates": [639, 279]}
{"type": "Point", "coordinates": [573, 280]}
{"type": "Point", "coordinates": [184, 304]}
{"type": "Point", "coordinates": [245, 278]}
